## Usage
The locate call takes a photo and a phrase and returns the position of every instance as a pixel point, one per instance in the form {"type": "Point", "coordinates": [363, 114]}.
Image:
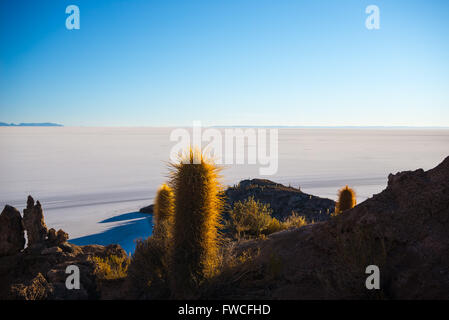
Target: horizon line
{"type": "Point", "coordinates": [57, 125]}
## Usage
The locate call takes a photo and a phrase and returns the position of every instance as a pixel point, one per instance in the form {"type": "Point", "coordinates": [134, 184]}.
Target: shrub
{"type": "Point", "coordinates": [250, 218]}
{"type": "Point", "coordinates": [111, 267]}
{"type": "Point", "coordinates": [148, 271]}
{"type": "Point", "coordinates": [195, 254]}
{"type": "Point", "coordinates": [274, 226]}
{"type": "Point", "coordinates": [346, 200]}
{"type": "Point", "coordinates": [294, 221]}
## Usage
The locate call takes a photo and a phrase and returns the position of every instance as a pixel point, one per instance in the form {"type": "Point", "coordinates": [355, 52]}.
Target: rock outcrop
{"type": "Point", "coordinates": [56, 238]}
{"type": "Point", "coordinates": [39, 271]}
{"type": "Point", "coordinates": [33, 220]}
{"type": "Point", "coordinates": [12, 236]}
{"type": "Point", "coordinates": [148, 209]}
{"type": "Point", "coordinates": [283, 200]}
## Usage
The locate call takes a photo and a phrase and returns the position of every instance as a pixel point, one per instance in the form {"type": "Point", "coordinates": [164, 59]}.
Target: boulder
{"type": "Point", "coordinates": [61, 236]}
{"type": "Point", "coordinates": [12, 236]}
{"type": "Point", "coordinates": [56, 238]}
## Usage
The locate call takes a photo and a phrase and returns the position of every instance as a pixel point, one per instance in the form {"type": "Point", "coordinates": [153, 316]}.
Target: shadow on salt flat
{"type": "Point", "coordinates": [126, 229]}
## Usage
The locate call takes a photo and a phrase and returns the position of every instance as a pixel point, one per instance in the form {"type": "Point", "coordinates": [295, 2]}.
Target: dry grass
{"type": "Point", "coordinates": [111, 267]}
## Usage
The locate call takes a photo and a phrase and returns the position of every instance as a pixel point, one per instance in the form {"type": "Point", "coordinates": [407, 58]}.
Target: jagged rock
{"type": "Point", "coordinates": [38, 272]}
{"type": "Point", "coordinates": [57, 238]}
{"type": "Point", "coordinates": [12, 236]}
{"type": "Point", "coordinates": [61, 236]}
{"type": "Point", "coordinates": [66, 247]}
{"type": "Point", "coordinates": [52, 236]}
{"type": "Point", "coordinates": [33, 220]}
{"type": "Point", "coordinates": [37, 289]}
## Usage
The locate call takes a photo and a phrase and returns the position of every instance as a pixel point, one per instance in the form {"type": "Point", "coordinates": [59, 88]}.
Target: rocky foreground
{"type": "Point", "coordinates": [404, 230]}
{"type": "Point", "coordinates": [39, 271]}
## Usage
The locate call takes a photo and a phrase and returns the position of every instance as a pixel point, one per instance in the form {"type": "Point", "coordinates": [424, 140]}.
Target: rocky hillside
{"type": "Point", "coordinates": [404, 230]}
{"type": "Point", "coordinates": [283, 200]}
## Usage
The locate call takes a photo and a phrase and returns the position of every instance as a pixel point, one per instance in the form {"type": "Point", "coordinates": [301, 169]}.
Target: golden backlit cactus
{"type": "Point", "coordinates": [164, 208]}
{"type": "Point", "coordinates": [195, 254]}
{"type": "Point", "coordinates": [346, 200]}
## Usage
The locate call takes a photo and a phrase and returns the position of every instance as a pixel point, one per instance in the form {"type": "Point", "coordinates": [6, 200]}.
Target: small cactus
{"type": "Point", "coordinates": [195, 254]}
{"type": "Point", "coordinates": [346, 200]}
{"type": "Point", "coordinates": [163, 212]}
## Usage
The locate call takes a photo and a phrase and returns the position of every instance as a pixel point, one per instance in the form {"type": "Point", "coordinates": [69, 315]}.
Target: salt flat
{"type": "Point", "coordinates": [91, 181]}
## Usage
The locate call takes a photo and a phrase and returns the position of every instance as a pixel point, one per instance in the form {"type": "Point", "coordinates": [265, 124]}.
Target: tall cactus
{"type": "Point", "coordinates": [346, 200]}
{"type": "Point", "coordinates": [195, 255]}
{"type": "Point", "coordinates": [163, 213]}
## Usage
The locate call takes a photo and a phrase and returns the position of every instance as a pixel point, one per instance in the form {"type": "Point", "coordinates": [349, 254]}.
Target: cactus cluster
{"type": "Point", "coordinates": [187, 219]}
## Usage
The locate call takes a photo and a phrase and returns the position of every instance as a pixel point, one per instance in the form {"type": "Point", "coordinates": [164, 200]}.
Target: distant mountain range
{"type": "Point", "coordinates": [44, 124]}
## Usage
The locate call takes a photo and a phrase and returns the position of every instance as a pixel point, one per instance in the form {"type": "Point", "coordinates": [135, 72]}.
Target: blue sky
{"type": "Point", "coordinates": [258, 62]}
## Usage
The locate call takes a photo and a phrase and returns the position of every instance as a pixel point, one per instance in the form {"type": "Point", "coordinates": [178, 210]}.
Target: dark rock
{"type": "Point", "coordinates": [148, 209]}
{"type": "Point", "coordinates": [12, 236]}
{"type": "Point", "coordinates": [61, 236]}
{"type": "Point", "coordinates": [32, 275]}
{"type": "Point", "coordinates": [56, 238]}
{"type": "Point", "coordinates": [33, 220]}
{"type": "Point", "coordinates": [51, 236]}
{"type": "Point", "coordinates": [51, 250]}
{"type": "Point", "coordinates": [38, 272]}
{"type": "Point", "coordinates": [66, 247]}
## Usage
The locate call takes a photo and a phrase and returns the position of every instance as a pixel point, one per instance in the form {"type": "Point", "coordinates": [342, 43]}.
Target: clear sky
{"type": "Point", "coordinates": [225, 62]}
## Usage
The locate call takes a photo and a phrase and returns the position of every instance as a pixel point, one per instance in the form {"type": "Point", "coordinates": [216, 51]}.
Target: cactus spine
{"type": "Point", "coordinates": [195, 254]}
{"type": "Point", "coordinates": [346, 200]}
